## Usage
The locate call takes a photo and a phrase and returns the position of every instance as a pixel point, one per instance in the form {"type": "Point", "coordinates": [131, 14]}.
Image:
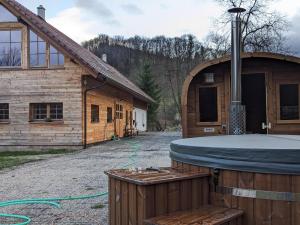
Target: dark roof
{"type": "Point", "coordinates": [76, 51]}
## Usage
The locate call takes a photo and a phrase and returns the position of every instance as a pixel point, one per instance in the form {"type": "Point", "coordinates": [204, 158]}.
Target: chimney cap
{"type": "Point", "coordinates": [237, 10]}
{"type": "Point", "coordinates": [41, 11]}
{"type": "Point", "coordinates": [41, 7]}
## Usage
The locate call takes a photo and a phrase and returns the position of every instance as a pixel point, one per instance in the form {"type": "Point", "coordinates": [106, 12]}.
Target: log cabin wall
{"type": "Point", "coordinates": [276, 72]}
{"type": "Point", "coordinates": [105, 97]}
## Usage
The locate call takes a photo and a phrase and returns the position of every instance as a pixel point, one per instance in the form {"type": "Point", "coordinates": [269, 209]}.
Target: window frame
{"type": "Point", "coordinates": [47, 53]}
{"type": "Point", "coordinates": [10, 43]}
{"type": "Point", "coordinates": [8, 112]}
{"type": "Point", "coordinates": [37, 53]}
{"type": "Point", "coordinates": [278, 112]}
{"type": "Point", "coordinates": [58, 53]}
{"type": "Point", "coordinates": [219, 90]}
{"type": "Point", "coordinates": [95, 116]}
{"type": "Point", "coordinates": [48, 118]}
{"type": "Point", "coordinates": [109, 119]}
{"type": "Point", "coordinates": [119, 111]}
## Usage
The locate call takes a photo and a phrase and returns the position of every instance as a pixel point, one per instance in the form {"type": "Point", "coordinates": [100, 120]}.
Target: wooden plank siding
{"type": "Point", "coordinates": [107, 96]}
{"type": "Point", "coordinates": [20, 87]}
{"type": "Point", "coordinates": [276, 72]}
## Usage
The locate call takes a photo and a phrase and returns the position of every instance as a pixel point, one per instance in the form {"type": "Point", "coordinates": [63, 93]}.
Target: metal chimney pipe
{"type": "Point", "coordinates": [237, 120]}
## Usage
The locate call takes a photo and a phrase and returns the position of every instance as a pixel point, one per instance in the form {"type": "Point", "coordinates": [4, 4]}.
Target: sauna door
{"type": "Point", "coordinates": [254, 98]}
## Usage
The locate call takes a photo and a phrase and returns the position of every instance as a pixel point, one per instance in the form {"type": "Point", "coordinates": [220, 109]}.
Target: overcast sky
{"type": "Point", "coordinates": [85, 19]}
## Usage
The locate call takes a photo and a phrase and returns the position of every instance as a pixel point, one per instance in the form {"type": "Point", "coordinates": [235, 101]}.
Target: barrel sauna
{"type": "Point", "coordinates": [259, 174]}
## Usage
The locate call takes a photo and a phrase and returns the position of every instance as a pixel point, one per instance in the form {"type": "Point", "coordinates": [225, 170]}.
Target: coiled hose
{"type": "Point", "coordinates": [55, 202]}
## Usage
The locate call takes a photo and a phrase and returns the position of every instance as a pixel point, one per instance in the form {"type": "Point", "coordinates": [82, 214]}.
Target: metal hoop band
{"type": "Point", "coordinates": [259, 194]}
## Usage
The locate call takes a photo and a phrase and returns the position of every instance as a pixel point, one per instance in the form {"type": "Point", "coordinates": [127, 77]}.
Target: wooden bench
{"type": "Point", "coordinates": [207, 215]}
{"type": "Point", "coordinates": [138, 195]}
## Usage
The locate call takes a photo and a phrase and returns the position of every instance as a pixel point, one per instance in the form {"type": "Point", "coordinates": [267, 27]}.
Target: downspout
{"type": "Point", "coordinates": [85, 105]}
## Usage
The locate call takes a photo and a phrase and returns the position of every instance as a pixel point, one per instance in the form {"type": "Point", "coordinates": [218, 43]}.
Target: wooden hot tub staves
{"type": "Point", "coordinates": [257, 210]}
{"type": "Point", "coordinates": [136, 196]}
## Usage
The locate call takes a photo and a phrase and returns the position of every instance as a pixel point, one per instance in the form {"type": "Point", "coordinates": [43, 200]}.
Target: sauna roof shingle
{"type": "Point", "coordinates": [76, 51]}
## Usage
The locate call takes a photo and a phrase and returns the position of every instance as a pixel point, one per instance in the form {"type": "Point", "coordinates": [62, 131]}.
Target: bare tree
{"type": "Point", "coordinates": [262, 28]}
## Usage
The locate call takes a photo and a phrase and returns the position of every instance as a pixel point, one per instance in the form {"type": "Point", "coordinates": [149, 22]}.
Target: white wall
{"type": "Point", "coordinates": [140, 118]}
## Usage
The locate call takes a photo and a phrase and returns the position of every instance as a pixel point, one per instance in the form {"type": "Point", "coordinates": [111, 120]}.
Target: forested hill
{"type": "Point", "coordinates": [170, 60]}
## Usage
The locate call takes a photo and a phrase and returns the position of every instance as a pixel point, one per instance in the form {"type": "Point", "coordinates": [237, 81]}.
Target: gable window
{"type": "Point", "coordinates": [37, 50]}
{"type": "Point", "coordinates": [109, 115]}
{"type": "Point", "coordinates": [56, 58]}
{"type": "Point", "coordinates": [95, 113]}
{"type": "Point", "coordinates": [289, 102]}
{"type": "Point", "coordinates": [208, 104]}
{"type": "Point", "coordinates": [10, 48]}
{"type": "Point", "coordinates": [46, 111]}
{"type": "Point", "coordinates": [6, 16]}
{"type": "Point", "coordinates": [119, 111]}
{"type": "Point", "coordinates": [4, 111]}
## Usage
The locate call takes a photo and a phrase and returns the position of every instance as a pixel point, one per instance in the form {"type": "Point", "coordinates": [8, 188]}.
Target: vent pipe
{"type": "Point", "coordinates": [41, 12]}
{"type": "Point", "coordinates": [237, 120]}
{"type": "Point", "coordinates": [104, 57]}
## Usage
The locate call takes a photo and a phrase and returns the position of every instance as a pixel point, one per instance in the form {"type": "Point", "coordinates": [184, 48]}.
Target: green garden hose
{"type": "Point", "coordinates": [55, 202]}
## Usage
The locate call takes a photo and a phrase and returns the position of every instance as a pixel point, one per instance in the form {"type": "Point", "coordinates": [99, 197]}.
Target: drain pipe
{"type": "Point", "coordinates": [237, 114]}
{"type": "Point", "coordinates": [85, 104]}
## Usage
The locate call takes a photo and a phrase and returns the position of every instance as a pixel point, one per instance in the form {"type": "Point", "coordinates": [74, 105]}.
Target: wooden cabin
{"type": "Point", "coordinates": [55, 93]}
{"type": "Point", "coordinates": [270, 92]}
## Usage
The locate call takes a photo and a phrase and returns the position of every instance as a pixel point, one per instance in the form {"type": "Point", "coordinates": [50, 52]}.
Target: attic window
{"type": "Point", "coordinates": [37, 50]}
{"type": "Point", "coordinates": [56, 57]}
{"type": "Point", "coordinates": [6, 16]}
{"type": "Point", "coordinates": [10, 48]}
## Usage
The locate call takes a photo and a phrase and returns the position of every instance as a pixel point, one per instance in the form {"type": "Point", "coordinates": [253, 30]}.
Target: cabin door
{"type": "Point", "coordinates": [254, 98]}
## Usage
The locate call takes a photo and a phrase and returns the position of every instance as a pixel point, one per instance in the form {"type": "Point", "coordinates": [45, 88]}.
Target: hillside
{"type": "Point", "coordinates": [170, 59]}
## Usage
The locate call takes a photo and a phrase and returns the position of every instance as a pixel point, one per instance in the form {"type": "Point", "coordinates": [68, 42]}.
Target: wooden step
{"type": "Point", "coordinates": [206, 215]}
{"type": "Point", "coordinates": [138, 195]}
{"type": "Point", "coordinates": [151, 177]}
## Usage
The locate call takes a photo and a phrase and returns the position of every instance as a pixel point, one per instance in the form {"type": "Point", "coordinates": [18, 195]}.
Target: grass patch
{"type": "Point", "coordinates": [14, 158]}
{"type": "Point", "coordinates": [29, 153]}
{"type": "Point", "coordinates": [98, 206]}
{"type": "Point", "coordinates": [7, 162]}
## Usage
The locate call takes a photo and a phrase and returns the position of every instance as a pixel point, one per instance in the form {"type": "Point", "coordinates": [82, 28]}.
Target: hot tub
{"type": "Point", "coordinates": [259, 174]}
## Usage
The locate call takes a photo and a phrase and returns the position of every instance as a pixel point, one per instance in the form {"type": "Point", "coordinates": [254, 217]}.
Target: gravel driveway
{"type": "Point", "coordinates": [79, 173]}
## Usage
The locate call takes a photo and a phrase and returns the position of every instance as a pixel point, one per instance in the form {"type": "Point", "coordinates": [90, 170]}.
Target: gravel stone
{"type": "Point", "coordinates": [79, 173]}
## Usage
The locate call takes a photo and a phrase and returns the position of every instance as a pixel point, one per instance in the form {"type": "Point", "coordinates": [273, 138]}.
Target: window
{"type": "Point", "coordinates": [4, 111]}
{"type": "Point", "coordinates": [208, 104]}
{"type": "Point", "coordinates": [289, 102]}
{"type": "Point", "coordinates": [56, 111]}
{"type": "Point", "coordinates": [56, 58]}
{"type": "Point", "coordinates": [6, 16]}
{"type": "Point", "coordinates": [10, 48]}
{"type": "Point", "coordinates": [126, 120]}
{"type": "Point", "coordinates": [95, 113]}
{"type": "Point", "coordinates": [109, 115]}
{"type": "Point", "coordinates": [46, 111]}
{"type": "Point", "coordinates": [37, 50]}
{"type": "Point", "coordinates": [119, 111]}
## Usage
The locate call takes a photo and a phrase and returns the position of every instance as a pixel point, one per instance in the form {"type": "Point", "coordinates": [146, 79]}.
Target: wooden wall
{"type": "Point", "coordinates": [21, 87]}
{"type": "Point", "coordinates": [107, 96]}
{"type": "Point", "coordinates": [276, 71]}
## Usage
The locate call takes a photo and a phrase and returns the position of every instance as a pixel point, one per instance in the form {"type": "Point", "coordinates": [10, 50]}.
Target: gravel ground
{"type": "Point", "coordinates": [75, 174]}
